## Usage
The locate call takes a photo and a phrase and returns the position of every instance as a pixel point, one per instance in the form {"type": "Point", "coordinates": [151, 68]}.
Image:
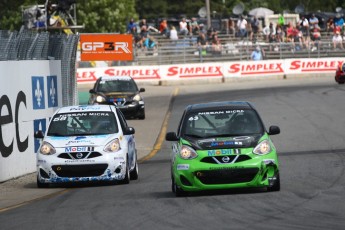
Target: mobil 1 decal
{"type": "Point", "coordinates": [52, 91]}
{"type": "Point", "coordinates": [39, 124]}
{"type": "Point", "coordinates": [37, 85]}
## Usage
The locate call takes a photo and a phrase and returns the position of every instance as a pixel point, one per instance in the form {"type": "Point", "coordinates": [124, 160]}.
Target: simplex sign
{"type": "Point", "coordinates": [106, 47]}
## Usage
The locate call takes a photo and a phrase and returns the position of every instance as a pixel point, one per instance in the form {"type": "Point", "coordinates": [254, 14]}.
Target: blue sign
{"type": "Point", "coordinates": [37, 85]}
{"type": "Point", "coordinates": [52, 90]}
{"type": "Point", "coordinates": [39, 124]}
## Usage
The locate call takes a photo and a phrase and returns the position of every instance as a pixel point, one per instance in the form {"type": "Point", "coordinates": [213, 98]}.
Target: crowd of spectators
{"type": "Point", "coordinates": [303, 35]}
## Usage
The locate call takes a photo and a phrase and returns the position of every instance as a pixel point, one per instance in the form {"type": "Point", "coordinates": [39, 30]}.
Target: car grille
{"type": "Point", "coordinates": [225, 159]}
{"type": "Point", "coordinates": [79, 170]}
{"type": "Point", "coordinates": [226, 176]}
{"type": "Point", "coordinates": [79, 155]}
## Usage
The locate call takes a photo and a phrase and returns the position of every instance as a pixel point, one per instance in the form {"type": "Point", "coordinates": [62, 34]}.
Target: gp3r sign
{"type": "Point", "coordinates": [106, 47]}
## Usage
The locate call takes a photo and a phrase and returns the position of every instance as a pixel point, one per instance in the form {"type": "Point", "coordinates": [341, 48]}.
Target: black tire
{"type": "Point", "coordinates": [141, 115]}
{"type": "Point", "coordinates": [176, 189]}
{"type": "Point", "coordinates": [126, 180]}
{"type": "Point", "coordinates": [134, 174]}
{"type": "Point", "coordinates": [42, 185]}
{"type": "Point", "coordinates": [276, 185]}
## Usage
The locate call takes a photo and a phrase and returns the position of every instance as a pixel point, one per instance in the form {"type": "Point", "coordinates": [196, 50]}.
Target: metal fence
{"type": "Point", "coordinates": [42, 45]}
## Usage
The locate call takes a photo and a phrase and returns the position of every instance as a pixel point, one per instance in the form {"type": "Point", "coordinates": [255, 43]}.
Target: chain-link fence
{"type": "Point", "coordinates": [41, 45]}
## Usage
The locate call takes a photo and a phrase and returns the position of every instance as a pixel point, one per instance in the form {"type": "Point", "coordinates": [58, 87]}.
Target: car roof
{"type": "Point", "coordinates": [86, 108]}
{"type": "Point", "coordinates": [219, 105]}
{"type": "Point", "coordinates": [113, 78]}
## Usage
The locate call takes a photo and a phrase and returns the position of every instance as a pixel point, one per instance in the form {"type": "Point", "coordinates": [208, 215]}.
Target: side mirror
{"type": "Point", "coordinates": [129, 131]}
{"type": "Point", "coordinates": [142, 90]}
{"type": "Point", "coordinates": [92, 91]}
{"type": "Point", "coordinates": [39, 134]}
{"type": "Point", "coordinates": [171, 136]}
{"type": "Point", "coordinates": [274, 130]}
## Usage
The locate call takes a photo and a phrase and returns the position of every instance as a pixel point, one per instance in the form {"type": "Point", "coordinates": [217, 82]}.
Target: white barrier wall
{"type": "Point", "coordinates": [225, 70]}
{"type": "Point", "coordinates": [30, 91]}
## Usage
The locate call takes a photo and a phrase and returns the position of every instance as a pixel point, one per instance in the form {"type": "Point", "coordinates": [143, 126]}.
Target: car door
{"type": "Point", "coordinates": [132, 157]}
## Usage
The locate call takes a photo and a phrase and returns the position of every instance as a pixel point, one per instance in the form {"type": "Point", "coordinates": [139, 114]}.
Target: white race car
{"type": "Point", "coordinates": [87, 143]}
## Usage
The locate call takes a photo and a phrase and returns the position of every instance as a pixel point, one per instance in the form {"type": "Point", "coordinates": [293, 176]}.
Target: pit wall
{"type": "Point", "coordinates": [30, 92]}
{"type": "Point", "coordinates": [225, 71]}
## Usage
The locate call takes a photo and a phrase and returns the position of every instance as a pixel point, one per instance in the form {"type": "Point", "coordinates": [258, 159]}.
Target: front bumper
{"type": "Point", "coordinates": [106, 167]}
{"type": "Point", "coordinates": [257, 172]}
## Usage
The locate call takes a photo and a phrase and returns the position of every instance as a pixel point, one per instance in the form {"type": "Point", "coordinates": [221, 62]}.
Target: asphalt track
{"type": "Point", "coordinates": [311, 149]}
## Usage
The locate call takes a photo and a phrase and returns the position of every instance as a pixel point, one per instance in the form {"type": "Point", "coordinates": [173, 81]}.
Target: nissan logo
{"type": "Point", "coordinates": [79, 155]}
{"type": "Point", "coordinates": [226, 159]}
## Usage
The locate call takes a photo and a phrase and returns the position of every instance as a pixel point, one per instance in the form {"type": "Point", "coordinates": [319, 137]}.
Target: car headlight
{"type": "Point", "coordinates": [100, 99]}
{"type": "Point", "coordinates": [262, 148]}
{"type": "Point", "coordinates": [47, 149]}
{"type": "Point", "coordinates": [113, 146]}
{"type": "Point", "coordinates": [187, 153]}
{"type": "Point", "coordinates": [137, 98]}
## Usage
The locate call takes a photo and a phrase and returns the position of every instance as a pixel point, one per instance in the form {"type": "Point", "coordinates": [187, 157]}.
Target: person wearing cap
{"type": "Point", "coordinates": [337, 41]}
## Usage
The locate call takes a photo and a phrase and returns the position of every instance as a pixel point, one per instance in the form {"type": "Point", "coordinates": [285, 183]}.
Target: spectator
{"type": "Point", "coordinates": [339, 21]}
{"type": "Point", "coordinates": [255, 23]}
{"type": "Point", "coordinates": [303, 25]}
{"type": "Point", "coordinates": [257, 54]}
{"type": "Point", "coordinates": [268, 31]}
{"type": "Point", "coordinates": [313, 21]}
{"type": "Point", "coordinates": [281, 20]}
{"type": "Point", "coordinates": [202, 43]}
{"type": "Point", "coordinates": [144, 26]}
{"type": "Point", "coordinates": [242, 27]}
{"type": "Point", "coordinates": [130, 26]}
{"type": "Point", "coordinates": [183, 27]}
{"type": "Point", "coordinates": [216, 45]}
{"type": "Point", "coordinates": [194, 26]}
{"type": "Point", "coordinates": [330, 25]}
{"type": "Point", "coordinates": [337, 41]}
{"type": "Point", "coordinates": [163, 28]}
{"type": "Point", "coordinates": [280, 35]}
{"type": "Point", "coordinates": [149, 43]}
{"type": "Point", "coordinates": [316, 38]}
{"type": "Point", "coordinates": [173, 33]}
{"type": "Point", "coordinates": [290, 32]}
{"type": "Point", "coordinates": [231, 27]}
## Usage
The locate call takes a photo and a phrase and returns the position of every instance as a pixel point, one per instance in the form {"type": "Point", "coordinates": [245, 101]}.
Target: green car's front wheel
{"type": "Point", "coordinates": [276, 186]}
{"type": "Point", "coordinates": [176, 189]}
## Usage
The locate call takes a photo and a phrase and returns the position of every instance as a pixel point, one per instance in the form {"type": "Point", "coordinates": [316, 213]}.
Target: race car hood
{"type": "Point", "coordinates": [225, 142]}
{"type": "Point", "coordinates": [61, 142]}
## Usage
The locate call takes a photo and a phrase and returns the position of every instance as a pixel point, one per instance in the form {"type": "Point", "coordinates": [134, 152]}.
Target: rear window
{"type": "Point", "coordinates": [83, 123]}
{"type": "Point", "coordinates": [217, 123]}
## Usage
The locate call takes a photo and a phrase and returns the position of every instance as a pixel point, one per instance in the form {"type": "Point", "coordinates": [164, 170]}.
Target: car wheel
{"type": "Point", "coordinates": [134, 174]}
{"type": "Point", "coordinates": [276, 185]}
{"type": "Point", "coordinates": [176, 189]}
{"type": "Point", "coordinates": [42, 185]}
{"type": "Point", "coordinates": [141, 115]}
{"type": "Point", "coordinates": [127, 176]}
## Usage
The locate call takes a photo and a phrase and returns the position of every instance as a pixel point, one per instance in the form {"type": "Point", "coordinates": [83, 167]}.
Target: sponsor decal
{"type": "Point", "coordinates": [86, 76]}
{"type": "Point", "coordinates": [219, 152]}
{"type": "Point", "coordinates": [106, 47]}
{"type": "Point", "coordinates": [119, 158]}
{"type": "Point", "coordinates": [221, 112]}
{"type": "Point", "coordinates": [7, 116]}
{"type": "Point", "coordinates": [142, 73]}
{"type": "Point", "coordinates": [225, 143]}
{"type": "Point", "coordinates": [80, 161]}
{"type": "Point", "coordinates": [313, 65]}
{"type": "Point", "coordinates": [256, 68]}
{"type": "Point", "coordinates": [37, 86]}
{"type": "Point", "coordinates": [182, 167]}
{"type": "Point", "coordinates": [78, 149]}
{"type": "Point", "coordinates": [226, 168]}
{"type": "Point", "coordinates": [52, 91]}
{"type": "Point", "coordinates": [39, 124]}
{"type": "Point", "coordinates": [195, 71]}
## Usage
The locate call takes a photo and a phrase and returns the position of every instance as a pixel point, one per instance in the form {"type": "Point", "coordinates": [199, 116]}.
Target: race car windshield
{"type": "Point", "coordinates": [222, 123]}
{"type": "Point", "coordinates": [83, 123]}
{"type": "Point", "coordinates": [117, 86]}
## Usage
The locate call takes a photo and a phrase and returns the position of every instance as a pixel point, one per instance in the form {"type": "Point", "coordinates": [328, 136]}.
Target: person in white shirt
{"type": "Point", "coordinates": [313, 21]}
{"type": "Point", "coordinates": [242, 26]}
{"type": "Point", "coordinates": [184, 27]}
{"type": "Point", "coordinates": [268, 31]}
{"type": "Point", "coordinates": [173, 33]}
{"type": "Point", "coordinates": [337, 40]}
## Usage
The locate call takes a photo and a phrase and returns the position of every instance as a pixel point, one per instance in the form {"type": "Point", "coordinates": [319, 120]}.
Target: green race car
{"type": "Point", "coordinates": [222, 145]}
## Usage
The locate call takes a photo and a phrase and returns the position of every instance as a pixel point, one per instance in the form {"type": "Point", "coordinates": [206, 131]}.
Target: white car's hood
{"type": "Point", "coordinates": [98, 140]}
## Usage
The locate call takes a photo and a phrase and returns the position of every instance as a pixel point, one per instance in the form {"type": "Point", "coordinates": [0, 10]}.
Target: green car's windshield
{"type": "Point", "coordinates": [222, 123]}
{"type": "Point", "coordinates": [82, 123]}
{"type": "Point", "coordinates": [118, 85]}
